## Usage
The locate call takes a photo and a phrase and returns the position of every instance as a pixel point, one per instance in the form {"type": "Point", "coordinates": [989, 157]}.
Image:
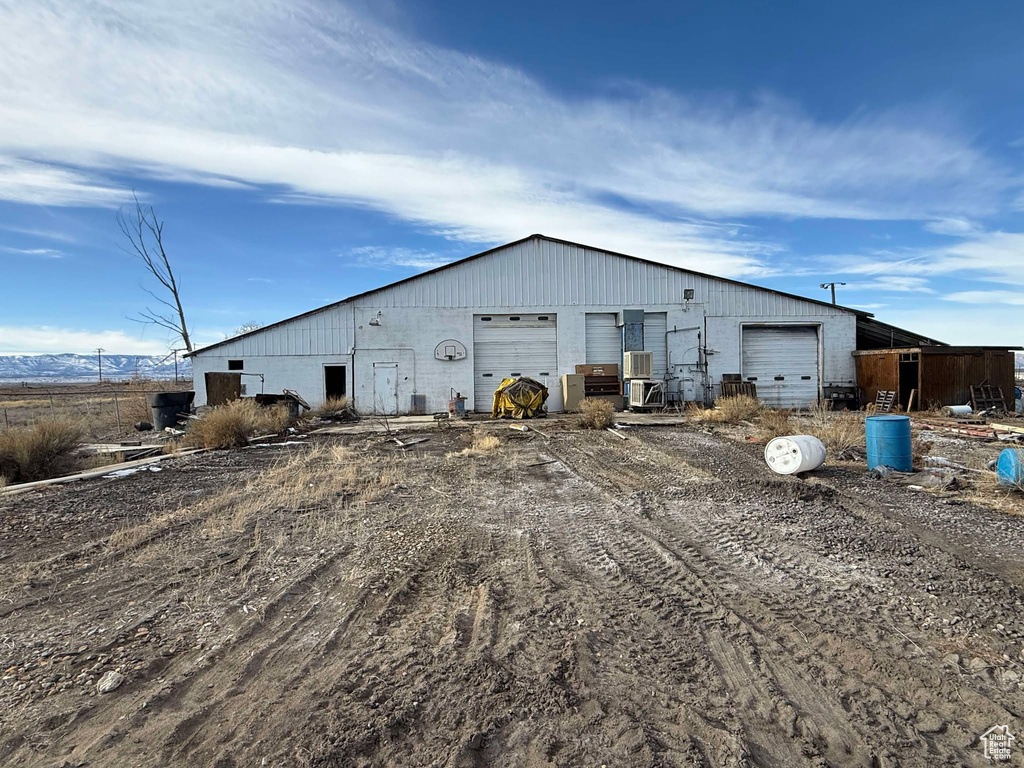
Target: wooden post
{"type": "Point", "coordinates": [6, 420]}
{"type": "Point", "coordinates": [51, 405]}
{"type": "Point", "coordinates": [117, 412]}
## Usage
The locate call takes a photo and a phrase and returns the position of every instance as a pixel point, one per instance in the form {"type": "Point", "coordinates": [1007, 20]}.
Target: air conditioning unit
{"type": "Point", "coordinates": [637, 365]}
{"type": "Point", "coordinates": [646, 394]}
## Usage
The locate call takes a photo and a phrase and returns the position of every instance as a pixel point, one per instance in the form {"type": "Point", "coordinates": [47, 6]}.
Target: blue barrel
{"type": "Point", "coordinates": [1010, 468]}
{"type": "Point", "coordinates": [888, 439]}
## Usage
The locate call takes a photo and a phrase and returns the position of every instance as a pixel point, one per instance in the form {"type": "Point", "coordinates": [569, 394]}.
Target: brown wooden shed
{"type": "Point", "coordinates": [942, 375]}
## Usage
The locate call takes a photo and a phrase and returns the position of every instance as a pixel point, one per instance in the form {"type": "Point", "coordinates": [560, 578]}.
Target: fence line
{"type": "Point", "coordinates": [103, 405]}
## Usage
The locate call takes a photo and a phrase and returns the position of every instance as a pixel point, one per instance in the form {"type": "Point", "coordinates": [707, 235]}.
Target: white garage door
{"type": "Point", "coordinates": [510, 346]}
{"type": "Point", "coordinates": [604, 339]}
{"type": "Point", "coordinates": [655, 326]}
{"type": "Point", "coordinates": [783, 362]}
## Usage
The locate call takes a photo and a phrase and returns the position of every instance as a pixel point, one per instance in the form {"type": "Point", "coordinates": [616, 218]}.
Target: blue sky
{"type": "Point", "coordinates": [300, 152]}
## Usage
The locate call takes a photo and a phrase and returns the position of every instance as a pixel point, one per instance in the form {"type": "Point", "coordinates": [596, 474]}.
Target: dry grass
{"type": "Point", "coordinates": [299, 495]}
{"type": "Point", "coordinates": [45, 449]}
{"type": "Point", "coordinates": [775, 423]}
{"type": "Point", "coordinates": [231, 425]}
{"type": "Point", "coordinates": [483, 444]}
{"type": "Point", "coordinates": [919, 447]}
{"type": "Point", "coordinates": [334, 408]}
{"type": "Point", "coordinates": [596, 414]}
{"type": "Point", "coordinates": [731, 410]}
{"type": "Point", "coordinates": [840, 431]}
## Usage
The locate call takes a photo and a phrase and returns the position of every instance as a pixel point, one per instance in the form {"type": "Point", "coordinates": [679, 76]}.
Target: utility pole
{"type": "Point", "coordinates": [833, 287]}
{"type": "Point", "coordinates": [176, 351]}
{"type": "Point", "coordinates": [99, 359]}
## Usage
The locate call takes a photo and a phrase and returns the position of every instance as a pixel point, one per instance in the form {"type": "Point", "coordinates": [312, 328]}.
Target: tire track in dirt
{"type": "Point", "coordinates": [772, 613]}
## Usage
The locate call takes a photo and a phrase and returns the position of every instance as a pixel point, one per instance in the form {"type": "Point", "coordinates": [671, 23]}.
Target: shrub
{"type": "Point", "coordinates": [272, 419]}
{"type": "Point", "coordinates": [45, 449]}
{"type": "Point", "coordinates": [775, 423]}
{"type": "Point", "coordinates": [334, 408]}
{"type": "Point", "coordinates": [231, 425]}
{"type": "Point", "coordinates": [596, 414]}
{"type": "Point", "coordinates": [732, 409]}
{"type": "Point", "coordinates": [838, 430]}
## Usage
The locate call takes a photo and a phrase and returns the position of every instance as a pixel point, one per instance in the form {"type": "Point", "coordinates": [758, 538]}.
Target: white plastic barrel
{"type": "Point", "coordinates": [795, 453]}
{"type": "Point", "coordinates": [959, 410]}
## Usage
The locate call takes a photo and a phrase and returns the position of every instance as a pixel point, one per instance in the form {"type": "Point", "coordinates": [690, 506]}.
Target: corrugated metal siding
{"type": "Point", "coordinates": [322, 333]}
{"type": "Point", "coordinates": [541, 273]}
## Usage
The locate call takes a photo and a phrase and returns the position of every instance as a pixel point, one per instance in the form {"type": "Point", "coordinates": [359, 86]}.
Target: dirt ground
{"type": "Point", "coordinates": [580, 600]}
{"type": "Point", "coordinates": [96, 406]}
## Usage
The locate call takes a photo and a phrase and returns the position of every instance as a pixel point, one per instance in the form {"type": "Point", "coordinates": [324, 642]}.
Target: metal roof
{"type": "Point", "coordinates": [421, 275]}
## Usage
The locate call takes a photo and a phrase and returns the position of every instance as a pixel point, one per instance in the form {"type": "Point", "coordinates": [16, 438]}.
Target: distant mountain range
{"type": "Point", "coordinates": [84, 368]}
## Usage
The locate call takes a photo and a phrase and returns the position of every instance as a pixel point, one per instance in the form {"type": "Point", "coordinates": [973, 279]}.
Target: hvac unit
{"type": "Point", "coordinates": [637, 365]}
{"type": "Point", "coordinates": [646, 394]}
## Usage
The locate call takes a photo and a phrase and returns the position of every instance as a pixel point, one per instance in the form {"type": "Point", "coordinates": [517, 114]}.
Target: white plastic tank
{"type": "Point", "coordinates": [958, 410]}
{"type": "Point", "coordinates": [795, 453]}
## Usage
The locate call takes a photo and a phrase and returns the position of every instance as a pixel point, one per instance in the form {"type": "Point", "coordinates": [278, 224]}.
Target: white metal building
{"type": "Point", "coordinates": [538, 307]}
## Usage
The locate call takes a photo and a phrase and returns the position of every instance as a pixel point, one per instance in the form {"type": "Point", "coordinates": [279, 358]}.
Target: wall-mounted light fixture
{"type": "Point", "coordinates": [375, 320]}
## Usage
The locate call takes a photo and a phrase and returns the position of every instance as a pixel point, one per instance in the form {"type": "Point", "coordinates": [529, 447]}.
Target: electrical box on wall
{"type": "Point", "coordinates": [449, 350]}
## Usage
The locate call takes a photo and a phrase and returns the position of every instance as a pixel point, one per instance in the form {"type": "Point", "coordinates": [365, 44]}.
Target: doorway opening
{"type": "Point", "coordinates": [909, 374]}
{"type": "Point", "coordinates": [334, 381]}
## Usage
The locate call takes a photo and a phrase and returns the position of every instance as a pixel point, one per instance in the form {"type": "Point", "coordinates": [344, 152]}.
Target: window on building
{"type": "Point", "coordinates": [235, 365]}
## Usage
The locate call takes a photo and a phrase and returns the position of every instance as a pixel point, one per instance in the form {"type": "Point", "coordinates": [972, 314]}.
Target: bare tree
{"type": "Point", "coordinates": [246, 328]}
{"type": "Point", "coordinates": [145, 232]}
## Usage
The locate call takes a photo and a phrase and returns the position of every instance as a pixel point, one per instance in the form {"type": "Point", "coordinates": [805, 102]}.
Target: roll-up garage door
{"type": "Point", "coordinates": [509, 346]}
{"type": "Point", "coordinates": [655, 326]}
{"type": "Point", "coordinates": [604, 339]}
{"type": "Point", "coordinates": [783, 362]}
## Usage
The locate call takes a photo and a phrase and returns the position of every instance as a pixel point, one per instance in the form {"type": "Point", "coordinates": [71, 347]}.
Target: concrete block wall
{"type": "Point", "coordinates": [302, 373]}
{"type": "Point", "coordinates": [408, 336]}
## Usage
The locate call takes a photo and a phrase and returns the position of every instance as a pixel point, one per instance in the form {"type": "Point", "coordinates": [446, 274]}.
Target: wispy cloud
{"type": "Point", "coordinates": [1015, 298]}
{"type": "Point", "coordinates": [982, 256]}
{"type": "Point", "coordinates": [892, 284]}
{"type": "Point", "coordinates": [322, 103]}
{"type": "Point", "coordinates": [24, 181]}
{"type": "Point", "coordinates": [953, 227]}
{"type": "Point", "coordinates": [46, 234]}
{"type": "Point", "coordinates": [381, 257]}
{"type": "Point", "coordinates": [48, 253]}
{"type": "Point", "coordinates": [259, 280]}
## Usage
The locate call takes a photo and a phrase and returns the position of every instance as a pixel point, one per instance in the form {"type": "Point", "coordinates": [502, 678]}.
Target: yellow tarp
{"type": "Point", "coordinates": [521, 398]}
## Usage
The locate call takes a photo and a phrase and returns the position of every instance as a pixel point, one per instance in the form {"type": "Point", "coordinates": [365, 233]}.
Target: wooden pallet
{"type": "Point", "coordinates": [985, 396]}
{"type": "Point", "coordinates": [732, 388]}
{"type": "Point", "coordinates": [884, 400]}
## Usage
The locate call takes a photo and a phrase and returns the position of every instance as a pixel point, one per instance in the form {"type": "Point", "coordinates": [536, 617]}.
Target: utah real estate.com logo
{"type": "Point", "coordinates": [997, 741]}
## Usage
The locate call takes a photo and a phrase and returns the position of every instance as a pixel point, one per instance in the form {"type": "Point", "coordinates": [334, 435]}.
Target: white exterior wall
{"type": "Point", "coordinates": [290, 355]}
{"type": "Point", "coordinates": [538, 276]}
{"type": "Point", "coordinates": [837, 338]}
